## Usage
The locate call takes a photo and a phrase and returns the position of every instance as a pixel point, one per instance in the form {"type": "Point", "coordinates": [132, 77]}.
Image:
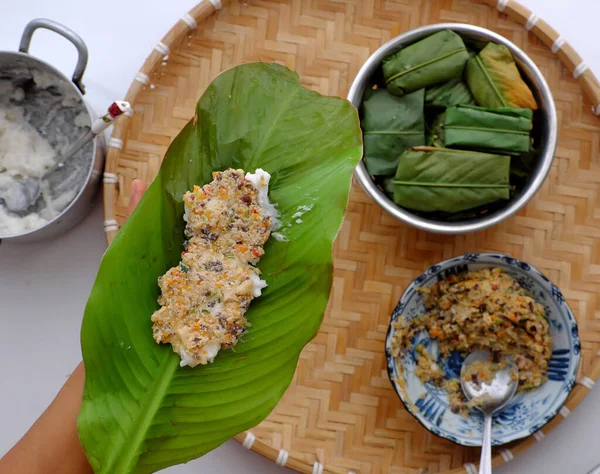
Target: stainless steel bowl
{"type": "Point", "coordinates": [547, 122]}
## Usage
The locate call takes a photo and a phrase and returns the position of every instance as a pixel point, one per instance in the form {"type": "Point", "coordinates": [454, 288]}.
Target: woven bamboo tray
{"type": "Point", "coordinates": [340, 413]}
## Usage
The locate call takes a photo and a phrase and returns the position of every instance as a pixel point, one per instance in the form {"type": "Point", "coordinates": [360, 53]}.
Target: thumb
{"type": "Point", "coordinates": [138, 187]}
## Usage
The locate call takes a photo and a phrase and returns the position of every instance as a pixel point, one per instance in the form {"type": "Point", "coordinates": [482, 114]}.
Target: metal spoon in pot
{"type": "Point", "coordinates": [490, 398]}
{"type": "Point", "coordinates": [22, 194]}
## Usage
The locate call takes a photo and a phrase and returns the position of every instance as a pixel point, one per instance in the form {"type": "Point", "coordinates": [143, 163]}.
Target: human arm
{"type": "Point", "coordinates": [51, 446]}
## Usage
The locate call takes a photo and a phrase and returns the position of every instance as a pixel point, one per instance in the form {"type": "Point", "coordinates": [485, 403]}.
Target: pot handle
{"type": "Point", "coordinates": [65, 32]}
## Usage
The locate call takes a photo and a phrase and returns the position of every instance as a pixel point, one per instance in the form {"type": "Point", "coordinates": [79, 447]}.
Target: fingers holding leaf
{"type": "Point", "coordinates": [138, 188]}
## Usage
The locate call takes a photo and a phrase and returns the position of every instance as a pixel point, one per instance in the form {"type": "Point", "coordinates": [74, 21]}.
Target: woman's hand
{"type": "Point", "coordinates": [51, 446]}
{"type": "Point", "coordinates": [138, 188]}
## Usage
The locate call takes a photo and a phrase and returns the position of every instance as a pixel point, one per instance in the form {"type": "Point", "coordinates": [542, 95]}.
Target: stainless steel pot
{"type": "Point", "coordinates": [54, 113]}
{"type": "Point", "coordinates": [547, 123]}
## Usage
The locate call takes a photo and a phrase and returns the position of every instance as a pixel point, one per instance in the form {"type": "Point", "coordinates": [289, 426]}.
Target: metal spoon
{"type": "Point", "coordinates": [493, 398]}
{"type": "Point", "coordinates": [23, 193]}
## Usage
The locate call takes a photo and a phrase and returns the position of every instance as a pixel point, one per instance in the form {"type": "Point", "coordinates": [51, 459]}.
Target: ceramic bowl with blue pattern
{"type": "Point", "coordinates": [527, 412]}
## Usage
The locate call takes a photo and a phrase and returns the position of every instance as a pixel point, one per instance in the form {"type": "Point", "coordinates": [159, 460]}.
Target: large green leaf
{"type": "Point", "coordinates": [502, 129]}
{"type": "Point", "coordinates": [390, 126]}
{"type": "Point", "coordinates": [142, 412]}
{"type": "Point", "coordinates": [437, 58]}
{"type": "Point", "coordinates": [495, 81]}
{"type": "Point", "coordinates": [439, 179]}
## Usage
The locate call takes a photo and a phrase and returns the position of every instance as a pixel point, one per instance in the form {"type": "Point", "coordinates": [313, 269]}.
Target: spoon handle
{"type": "Point", "coordinates": [117, 108]}
{"type": "Point", "coordinates": [485, 463]}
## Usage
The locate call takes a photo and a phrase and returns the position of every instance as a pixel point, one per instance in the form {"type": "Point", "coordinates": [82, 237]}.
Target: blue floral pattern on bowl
{"type": "Point", "coordinates": [528, 411]}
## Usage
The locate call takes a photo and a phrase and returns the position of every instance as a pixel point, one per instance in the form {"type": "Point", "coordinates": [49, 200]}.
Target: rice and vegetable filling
{"type": "Point", "coordinates": [204, 299]}
{"type": "Point", "coordinates": [481, 310]}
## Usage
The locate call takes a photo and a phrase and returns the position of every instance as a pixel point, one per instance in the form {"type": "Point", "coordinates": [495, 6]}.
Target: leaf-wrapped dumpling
{"type": "Point", "coordinates": [495, 81]}
{"type": "Point", "coordinates": [448, 94]}
{"type": "Point", "coordinates": [502, 129]}
{"type": "Point", "coordinates": [437, 58]}
{"type": "Point", "coordinates": [440, 179]}
{"type": "Point", "coordinates": [390, 126]}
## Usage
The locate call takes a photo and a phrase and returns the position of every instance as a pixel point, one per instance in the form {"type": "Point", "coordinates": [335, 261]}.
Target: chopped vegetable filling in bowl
{"type": "Point", "coordinates": [481, 310]}
{"type": "Point", "coordinates": [482, 302]}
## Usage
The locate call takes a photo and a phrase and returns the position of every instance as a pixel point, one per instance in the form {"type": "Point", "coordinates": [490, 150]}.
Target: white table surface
{"type": "Point", "coordinates": [35, 277]}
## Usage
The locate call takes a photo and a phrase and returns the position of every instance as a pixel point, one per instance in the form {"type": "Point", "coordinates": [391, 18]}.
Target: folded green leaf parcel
{"type": "Point", "coordinates": [447, 94]}
{"type": "Point", "coordinates": [435, 59]}
{"type": "Point", "coordinates": [495, 81]}
{"type": "Point", "coordinates": [184, 270]}
{"type": "Point", "coordinates": [390, 126]}
{"type": "Point", "coordinates": [432, 179]}
{"type": "Point", "coordinates": [502, 129]}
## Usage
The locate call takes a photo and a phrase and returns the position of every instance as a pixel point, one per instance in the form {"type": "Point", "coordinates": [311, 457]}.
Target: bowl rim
{"type": "Point", "coordinates": [391, 361]}
{"type": "Point", "coordinates": [355, 95]}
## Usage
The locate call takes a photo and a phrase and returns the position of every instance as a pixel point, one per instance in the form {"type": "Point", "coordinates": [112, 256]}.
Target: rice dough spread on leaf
{"type": "Point", "coordinates": [204, 298]}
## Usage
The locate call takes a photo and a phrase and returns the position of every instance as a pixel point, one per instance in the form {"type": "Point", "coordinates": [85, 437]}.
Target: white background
{"type": "Point", "coordinates": [44, 287]}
